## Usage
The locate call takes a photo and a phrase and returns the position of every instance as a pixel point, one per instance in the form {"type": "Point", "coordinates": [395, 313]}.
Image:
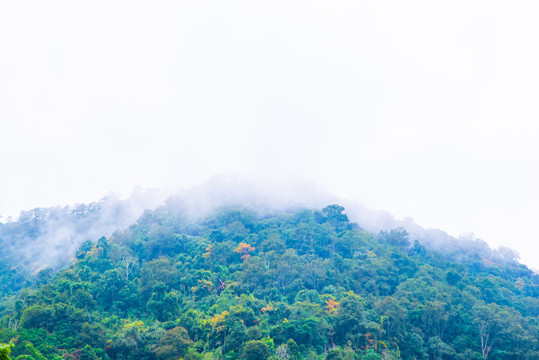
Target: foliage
{"type": "Point", "coordinates": [294, 285]}
{"type": "Point", "coordinates": [5, 350]}
{"type": "Point", "coordinates": [255, 350]}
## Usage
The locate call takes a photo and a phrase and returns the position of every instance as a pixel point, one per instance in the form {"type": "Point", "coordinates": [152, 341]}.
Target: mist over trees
{"type": "Point", "coordinates": [302, 283]}
{"type": "Point", "coordinates": [43, 240]}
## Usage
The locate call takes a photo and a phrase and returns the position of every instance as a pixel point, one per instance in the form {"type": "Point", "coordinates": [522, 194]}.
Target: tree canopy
{"type": "Point", "coordinates": [293, 285]}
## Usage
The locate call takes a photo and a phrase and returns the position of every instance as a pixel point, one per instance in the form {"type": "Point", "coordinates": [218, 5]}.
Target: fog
{"type": "Point", "coordinates": [424, 109]}
{"type": "Point", "coordinates": [49, 237]}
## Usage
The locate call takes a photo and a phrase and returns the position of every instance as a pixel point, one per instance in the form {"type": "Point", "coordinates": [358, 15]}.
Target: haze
{"type": "Point", "coordinates": [423, 109]}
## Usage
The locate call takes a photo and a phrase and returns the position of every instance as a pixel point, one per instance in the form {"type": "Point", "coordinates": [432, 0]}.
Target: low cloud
{"type": "Point", "coordinates": [50, 236]}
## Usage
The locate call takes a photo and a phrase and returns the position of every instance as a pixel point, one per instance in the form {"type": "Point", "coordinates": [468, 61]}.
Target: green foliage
{"type": "Point", "coordinates": [5, 350]}
{"type": "Point", "coordinates": [255, 350]}
{"type": "Point", "coordinates": [33, 353]}
{"type": "Point", "coordinates": [289, 286]}
{"type": "Point", "coordinates": [173, 345]}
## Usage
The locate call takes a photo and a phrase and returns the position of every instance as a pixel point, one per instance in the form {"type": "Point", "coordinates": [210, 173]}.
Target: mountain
{"type": "Point", "coordinates": [255, 282]}
{"type": "Point", "coordinates": [48, 237]}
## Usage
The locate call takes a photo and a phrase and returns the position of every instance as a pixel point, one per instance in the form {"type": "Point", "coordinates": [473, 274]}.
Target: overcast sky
{"type": "Point", "coordinates": [425, 109]}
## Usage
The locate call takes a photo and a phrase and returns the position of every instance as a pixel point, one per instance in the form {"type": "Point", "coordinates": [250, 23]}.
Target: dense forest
{"type": "Point", "coordinates": [292, 285]}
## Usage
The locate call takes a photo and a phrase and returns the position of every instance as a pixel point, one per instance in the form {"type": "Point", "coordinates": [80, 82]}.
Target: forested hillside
{"type": "Point", "coordinates": [47, 238]}
{"type": "Point", "coordinates": [302, 284]}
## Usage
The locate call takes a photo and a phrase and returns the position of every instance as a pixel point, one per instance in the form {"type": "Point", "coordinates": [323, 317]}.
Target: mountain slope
{"type": "Point", "coordinates": [301, 284]}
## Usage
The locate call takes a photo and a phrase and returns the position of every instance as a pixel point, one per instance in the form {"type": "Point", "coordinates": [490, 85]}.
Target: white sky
{"type": "Point", "coordinates": [426, 109]}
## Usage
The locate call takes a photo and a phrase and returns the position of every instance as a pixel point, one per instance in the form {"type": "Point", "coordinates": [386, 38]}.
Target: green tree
{"type": "Point", "coordinates": [38, 316]}
{"type": "Point", "coordinates": [255, 350]}
{"type": "Point", "coordinates": [174, 344]}
{"type": "Point", "coordinates": [348, 320]}
{"type": "Point", "coordinates": [395, 237]}
{"type": "Point", "coordinates": [88, 353]}
{"type": "Point", "coordinates": [162, 304]}
{"type": "Point", "coordinates": [5, 350]}
{"type": "Point", "coordinates": [489, 319]}
{"type": "Point", "coordinates": [334, 213]}
{"type": "Point", "coordinates": [335, 354]}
